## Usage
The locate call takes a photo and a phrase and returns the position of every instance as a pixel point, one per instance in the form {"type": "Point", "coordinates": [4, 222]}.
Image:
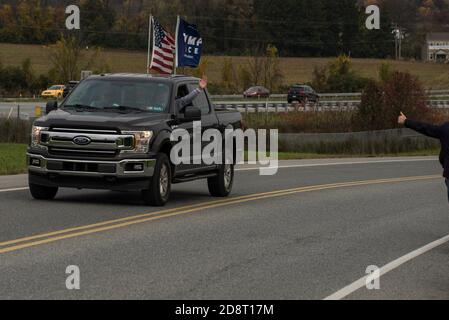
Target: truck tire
{"type": "Point", "coordinates": [160, 184]}
{"type": "Point", "coordinates": [221, 185]}
{"type": "Point", "coordinates": [42, 192]}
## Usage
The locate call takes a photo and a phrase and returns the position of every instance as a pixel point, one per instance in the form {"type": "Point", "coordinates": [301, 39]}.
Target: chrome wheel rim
{"type": "Point", "coordinates": [227, 176]}
{"type": "Point", "coordinates": [163, 180]}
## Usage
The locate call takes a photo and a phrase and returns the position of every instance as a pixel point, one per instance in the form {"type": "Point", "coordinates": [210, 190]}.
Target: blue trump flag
{"type": "Point", "coordinates": [189, 45]}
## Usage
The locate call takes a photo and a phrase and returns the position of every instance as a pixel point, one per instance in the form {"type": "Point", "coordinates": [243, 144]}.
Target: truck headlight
{"type": "Point", "coordinates": [36, 135]}
{"type": "Point", "coordinates": [141, 140]}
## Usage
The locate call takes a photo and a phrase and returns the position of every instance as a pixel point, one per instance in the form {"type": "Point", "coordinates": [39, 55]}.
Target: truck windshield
{"type": "Point", "coordinates": [120, 96]}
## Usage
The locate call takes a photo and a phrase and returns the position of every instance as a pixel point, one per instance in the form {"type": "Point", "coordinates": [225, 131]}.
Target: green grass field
{"type": "Point", "coordinates": [297, 70]}
{"type": "Point", "coordinates": [12, 158]}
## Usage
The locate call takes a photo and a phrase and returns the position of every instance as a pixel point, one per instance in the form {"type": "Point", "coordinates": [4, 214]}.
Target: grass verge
{"type": "Point", "coordinates": [12, 158]}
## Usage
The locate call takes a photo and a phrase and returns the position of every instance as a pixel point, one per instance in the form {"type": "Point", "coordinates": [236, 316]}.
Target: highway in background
{"type": "Point", "coordinates": [28, 109]}
{"type": "Point", "coordinates": [305, 233]}
{"type": "Point", "coordinates": [276, 103]}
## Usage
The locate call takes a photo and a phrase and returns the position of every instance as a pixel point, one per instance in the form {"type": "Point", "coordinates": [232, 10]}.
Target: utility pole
{"type": "Point", "coordinates": [395, 43]}
{"type": "Point", "coordinates": [150, 37]}
{"type": "Point", "coordinates": [399, 34]}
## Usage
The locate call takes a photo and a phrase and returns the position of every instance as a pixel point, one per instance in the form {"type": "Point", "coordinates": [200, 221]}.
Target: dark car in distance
{"type": "Point", "coordinates": [257, 92]}
{"type": "Point", "coordinates": [302, 94]}
{"type": "Point", "coordinates": [69, 87]}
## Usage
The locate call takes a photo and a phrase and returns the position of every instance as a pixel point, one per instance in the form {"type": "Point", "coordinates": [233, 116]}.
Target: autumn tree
{"type": "Point", "coordinates": [383, 101]}
{"type": "Point", "coordinates": [69, 58]}
{"type": "Point", "coordinates": [66, 57]}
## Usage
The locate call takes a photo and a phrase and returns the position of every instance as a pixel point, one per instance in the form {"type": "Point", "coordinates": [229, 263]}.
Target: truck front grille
{"type": "Point", "coordinates": [82, 153]}
{"type": "Point", "coordinates": [85, 143]}
{"type": "Point", "coordinates": [88, 167]}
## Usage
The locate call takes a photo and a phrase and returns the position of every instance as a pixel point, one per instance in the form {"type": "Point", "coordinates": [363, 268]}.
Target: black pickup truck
{"type": "Point", "coordinates": [113, 132]}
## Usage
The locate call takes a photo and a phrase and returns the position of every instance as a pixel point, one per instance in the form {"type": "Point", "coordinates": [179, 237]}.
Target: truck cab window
{"type": "Point", "coordinates": [182, 91]}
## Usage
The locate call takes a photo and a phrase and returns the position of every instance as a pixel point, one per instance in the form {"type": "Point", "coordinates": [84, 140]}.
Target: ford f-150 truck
{"type": "Point", "coordinates": [113, 132]}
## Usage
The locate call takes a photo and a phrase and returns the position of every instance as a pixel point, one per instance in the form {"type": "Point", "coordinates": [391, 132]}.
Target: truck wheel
{"type": "Point", "coordinates": [160, 185]}
{"type": "Point", "coordinates": [221, 185]}
{"type": "Point", "coordinates": [42, 192]}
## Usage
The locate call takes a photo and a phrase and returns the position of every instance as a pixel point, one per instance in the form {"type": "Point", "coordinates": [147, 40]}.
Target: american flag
{"type": "Point", "coordinates": [163, 50]}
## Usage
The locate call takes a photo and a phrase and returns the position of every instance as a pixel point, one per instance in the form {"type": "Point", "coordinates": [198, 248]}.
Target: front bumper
{"type": "Point", "coordinates": [49, 95]}
{"type": "Point", "coordinates": [127, 174]}
{"type": "Point", "coordinates": [91, 168]}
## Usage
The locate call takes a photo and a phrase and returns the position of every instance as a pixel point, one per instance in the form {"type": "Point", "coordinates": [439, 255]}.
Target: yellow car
{"type": "Point", "coordinates": [55, 91]}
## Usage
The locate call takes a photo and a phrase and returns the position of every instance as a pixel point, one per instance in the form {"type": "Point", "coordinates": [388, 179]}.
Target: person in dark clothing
{"type": "Point", "coordinates": [440, 132]}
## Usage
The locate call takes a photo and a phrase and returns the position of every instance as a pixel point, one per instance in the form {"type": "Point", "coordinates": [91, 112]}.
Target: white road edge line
{"type": "Point", "coordinates": [14, 189]}
{"type": "Point", "coordinates": [346, 291]}
{"type": "Point", "coordinates": [340, 163]}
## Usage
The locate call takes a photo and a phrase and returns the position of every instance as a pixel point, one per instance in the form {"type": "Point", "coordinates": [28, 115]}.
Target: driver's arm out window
{"type": "Point", "coordinates": [201, 101]}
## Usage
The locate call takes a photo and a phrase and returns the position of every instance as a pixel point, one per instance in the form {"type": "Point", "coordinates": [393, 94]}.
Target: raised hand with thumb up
{"type": "Point", "coordinates": [402, 118]}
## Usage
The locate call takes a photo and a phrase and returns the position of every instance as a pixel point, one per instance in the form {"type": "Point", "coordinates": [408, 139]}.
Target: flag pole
{"type": "Point", "coordinates": [150, 22]}
{"type": "Point", "coordinates": [176, 44]}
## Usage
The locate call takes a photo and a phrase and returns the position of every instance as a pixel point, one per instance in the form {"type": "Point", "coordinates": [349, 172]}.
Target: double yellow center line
{"type": "Point", "coordinates": [40, 239]}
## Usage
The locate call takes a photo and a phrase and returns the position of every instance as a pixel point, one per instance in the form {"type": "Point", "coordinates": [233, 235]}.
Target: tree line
{"type": "Point", "coordinates": [234, 27]}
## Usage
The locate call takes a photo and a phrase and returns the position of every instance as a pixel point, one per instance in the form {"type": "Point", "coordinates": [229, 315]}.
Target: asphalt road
{"type": "Point", "coordinates": [333, 220]}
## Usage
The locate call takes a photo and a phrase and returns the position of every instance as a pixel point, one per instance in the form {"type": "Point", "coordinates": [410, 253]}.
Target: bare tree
{"type": "Point", "coordinates": [65, 56]}
{"type": "Point", "coordinates": [263, 68]}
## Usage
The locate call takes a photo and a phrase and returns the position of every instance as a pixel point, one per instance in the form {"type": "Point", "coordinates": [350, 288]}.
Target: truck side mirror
{"type": "Point", "coordinates": [191, 114]}
{"type": "Point", "coordinates": [51, 106]}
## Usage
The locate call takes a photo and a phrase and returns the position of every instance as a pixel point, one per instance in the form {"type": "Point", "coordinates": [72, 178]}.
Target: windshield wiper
{"type": "Point", "coordinates": [124, 108]}
{"type": "Point", "coordinates": [82, 107]}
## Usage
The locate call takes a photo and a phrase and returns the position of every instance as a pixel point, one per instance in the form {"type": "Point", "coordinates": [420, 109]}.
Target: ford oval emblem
{"type": "Point", "coordinates": [82, 140]}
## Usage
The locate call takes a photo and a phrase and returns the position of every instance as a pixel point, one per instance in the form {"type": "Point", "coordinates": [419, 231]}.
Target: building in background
{"type": "Point", "coordinates": [436, 47]}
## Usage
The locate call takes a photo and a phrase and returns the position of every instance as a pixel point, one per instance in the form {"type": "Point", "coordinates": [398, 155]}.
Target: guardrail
{"type": "Point", "coordinates": [28, 110]}
{"type": "Point", "coordinates": [283, 96]}
{"type": "Point", "coordinates": [286, 107]}
{"type": "Point", "coordinates": [431, 93]}
{"type": "Point", "coordinates": [319, 107]}
{"type": "Point", "coordinates": [440, 92]}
